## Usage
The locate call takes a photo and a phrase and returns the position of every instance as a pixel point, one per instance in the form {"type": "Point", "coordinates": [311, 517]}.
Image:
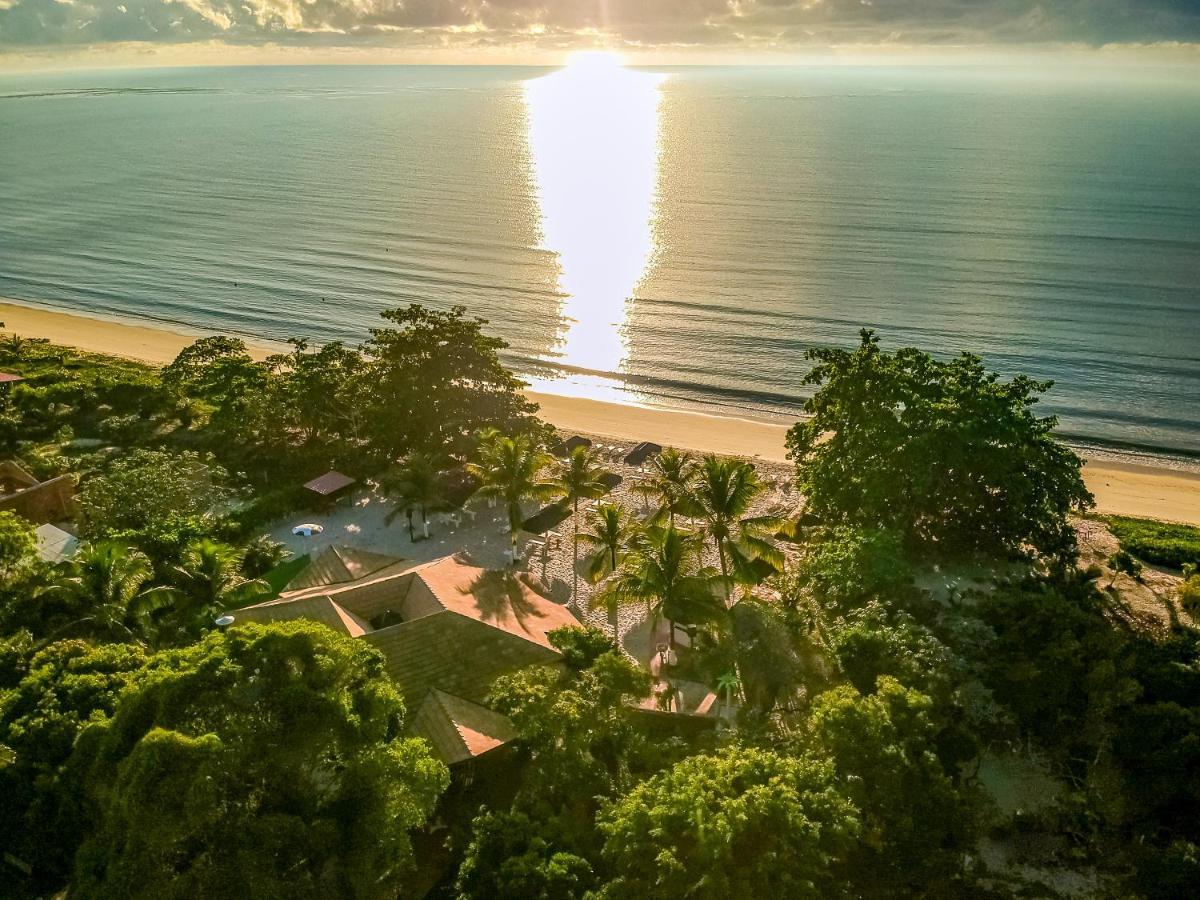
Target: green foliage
{"type": "Point", "coordinates": [871, 641]}
{"type": "Point", "coordinates": [740, 823]}
{"type": "Point", "coordinates": [206, 582]}
{"type": "Point", "coordinates": [844, 566]}
{"type": "Point", "coordinates": [1160, 543]}
{"type": "Point", "coordinates": [943, 452]}
{"type": "Point", "coordinates": [576, 726]}
{"type": "Point", "coordinates": [18, 544]}
{"type": "Point", "coordinates": [916, 826]}
{"type": "Point", "coordinates": [1189, 590]}
{"type": "Point", "coordinates": [284, 573]}
{"type": "Point", "coordinates": [580, 647]}
{"type": "Point", "coordinates": [511, 857]}
{"type": "Point", "coordinates": [262, 554]}
{"type": "Point", "coordinates": [579, 477]}
{"type": "Point", "coordinates": [262, 762]}
{"type": "Point", "coordinates": [414, 484]}
{"type": "Point", "coordinates": [510, 469]}
{"type": "Point", "coordinates": [67, 686]}
{"type": "Point", "coordinates": [99, 594]}
{"type": "Point", "coordinates": [663, 570]}
{"type": "Point", "coordinates": [1055, 660]}
{"type": "Point", "coordinates": [148, 487]}
{"type": "Point", "coordinates": [724, 491]}
{"type": "Point", "coordinates": [435, 380]}
{"type": "Point", "coordinates": [1123, 562]}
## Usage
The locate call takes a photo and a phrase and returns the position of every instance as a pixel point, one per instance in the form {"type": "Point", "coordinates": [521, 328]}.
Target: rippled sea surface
{"type": "Point", "coordinates": [678, 236]}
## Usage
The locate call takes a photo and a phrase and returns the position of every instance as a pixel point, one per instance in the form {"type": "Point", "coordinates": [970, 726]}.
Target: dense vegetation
{"type": "Point", "coordinates": [1160, 543]}
{"type": "Point", "coordinates": [878, 659]}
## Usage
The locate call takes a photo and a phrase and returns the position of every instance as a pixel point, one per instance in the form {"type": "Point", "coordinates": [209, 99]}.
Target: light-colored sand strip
{"type": "Point", "coordinates": [1120, 488]}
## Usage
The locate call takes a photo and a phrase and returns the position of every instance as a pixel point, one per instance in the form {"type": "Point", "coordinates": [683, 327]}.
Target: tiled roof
{"type": "Point", "coordinates": [459, 655]}
{"type": "Point", "coordinates": [318, 609]}
{"type": "Point", "coordinates": [458, 729]}
{"type": "Point", "coordinates": [499, 599]}
{"type": "Point", "coordinates": [338, 564]}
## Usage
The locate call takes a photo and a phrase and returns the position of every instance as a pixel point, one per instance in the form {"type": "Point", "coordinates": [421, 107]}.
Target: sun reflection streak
{"type": "Point", "coordinates": [594, 141]}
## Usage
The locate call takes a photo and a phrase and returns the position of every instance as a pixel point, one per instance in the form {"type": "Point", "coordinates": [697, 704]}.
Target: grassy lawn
{"type": "Point", "coordinates": [1160, 543]}
{"type": "Point", "coordinates": [279, 576]}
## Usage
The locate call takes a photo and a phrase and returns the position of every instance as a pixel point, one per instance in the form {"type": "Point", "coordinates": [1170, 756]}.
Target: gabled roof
{"type": "Point", "coordinates": [499, 599]}
{"type": "Point", "coordinates": [10, 378]}
{"type": "Point", "coordinates": [458, 729]}
{"type": "Point", "coordinates": [338, 564]}
{"type": "Point", "coordinates": [459, 655]}
{"type": "Point", "coordinates": [318, 609]}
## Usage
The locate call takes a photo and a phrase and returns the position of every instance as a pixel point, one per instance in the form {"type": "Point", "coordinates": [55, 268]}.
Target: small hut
{"type": "Point", "coordinates": [330, 487]}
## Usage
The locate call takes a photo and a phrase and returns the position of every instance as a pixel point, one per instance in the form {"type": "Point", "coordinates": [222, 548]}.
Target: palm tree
{"type": "Point", "coordinates": [104, 581]}
{"type": "Point", "coordinates": [663, 569]}
{"type": "Point", "coordinates": [207, 581]}
{"type": "Point", "coordinates": [509, 468]}
{"type": "Point", "coordinates": [579, 477]}
{"type": "Point", "coordinates": [671, 482]}
{"type": "Point", "coordinates": [725, 490]}
{"type": "Point", "coordinates": [608, 536]}
{"type": "Point", "coordinates": [415, 483]}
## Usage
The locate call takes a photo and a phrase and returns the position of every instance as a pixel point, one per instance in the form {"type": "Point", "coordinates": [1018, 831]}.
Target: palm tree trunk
{"type": "Point", "coordinates": [575, 555]}
{"type": "Point", "coordinates": [724, 568]}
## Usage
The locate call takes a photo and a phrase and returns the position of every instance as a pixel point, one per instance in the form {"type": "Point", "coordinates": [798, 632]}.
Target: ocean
{"type": "Point", "coordinates": [675, 237]}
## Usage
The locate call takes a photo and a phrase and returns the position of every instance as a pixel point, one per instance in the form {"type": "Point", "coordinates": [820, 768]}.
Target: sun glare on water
{"type": "Point", "coordinates": [593, 136]}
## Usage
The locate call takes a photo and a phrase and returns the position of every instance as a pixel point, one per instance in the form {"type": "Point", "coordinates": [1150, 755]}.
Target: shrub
{"type": "Point", "coordinates": [1161, 543]}
{"type": "Point", "coordinates": [1189, 590]}
{"type": "Point", "coordinates": [1122, 561]}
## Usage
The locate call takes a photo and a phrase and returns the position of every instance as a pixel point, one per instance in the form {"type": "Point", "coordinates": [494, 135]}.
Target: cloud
{"type": "Point", "coordinates": [706, 23]}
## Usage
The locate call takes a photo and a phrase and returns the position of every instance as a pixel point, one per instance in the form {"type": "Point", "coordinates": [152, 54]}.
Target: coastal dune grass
{"type": "Point", "coordinates": [1159, 543]}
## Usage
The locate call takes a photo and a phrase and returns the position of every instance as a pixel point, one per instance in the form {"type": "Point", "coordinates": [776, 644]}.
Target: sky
{"type": "Point", "coordinates": [159, 32]}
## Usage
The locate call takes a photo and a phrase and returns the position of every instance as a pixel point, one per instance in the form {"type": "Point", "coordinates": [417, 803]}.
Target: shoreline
{"type": "Point", "coordinates": [1121, 488]}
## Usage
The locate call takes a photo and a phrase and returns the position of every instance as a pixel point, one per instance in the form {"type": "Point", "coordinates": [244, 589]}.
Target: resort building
{"type": "Point", "coordinates": [40, 502]}
{"type": "Point", "coordinates": [447, 630]}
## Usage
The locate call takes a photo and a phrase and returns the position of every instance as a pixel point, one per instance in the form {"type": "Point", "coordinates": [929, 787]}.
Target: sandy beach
{"type": "Point", "coordinates": [1120, 488]}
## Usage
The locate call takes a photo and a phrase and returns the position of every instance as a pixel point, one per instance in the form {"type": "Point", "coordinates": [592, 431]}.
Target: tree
{"type": "Point", "coordinates": [317, 389]}
{"type": "Point", "coordinates": [916, 826]}
{"type": "Point", "coordinates": [148, 489]}
{"type": "Point", "coordinates": [671, 482]}
{"type": "Point", "coordinates": [743, 822]}
{"type": "Point", "coordinates": [945, 453]}
{"type": "Point", "coordinates": [209, 367]}
{"type": "Point", "coordinates": [266, 761]}
{"type": "Point", "coordinates": [579, 478]}
{"type": "Point", "coordinates": [844, 566]}
{"type": "Point", "coordinates": [207, 581]}
{"type": "Point", "coordinates": [608, 536]}
{"type": "Point", "coordinates": [434, 381]}
{"type": "Point", "coordinates": [415, 483]}
{"type": "Point", "coordinates": [102, 592]}
{"type": "Point", "coordinates": [511, 857]}
{"type": "Point", "coordinates": [872, 641]}
{"type": "Point", "coordinates": [509, 468]}
{"type": "Point", "coordinates": [576, 726]}
{"type": "Point", "coordinates": [725, 490]}
{"type": "Point", "coordinates": [18, 544]}
{"type": "Point", "coordinates": [68, 685]}
{"type": "Point", "coordinates": [663, 570]}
